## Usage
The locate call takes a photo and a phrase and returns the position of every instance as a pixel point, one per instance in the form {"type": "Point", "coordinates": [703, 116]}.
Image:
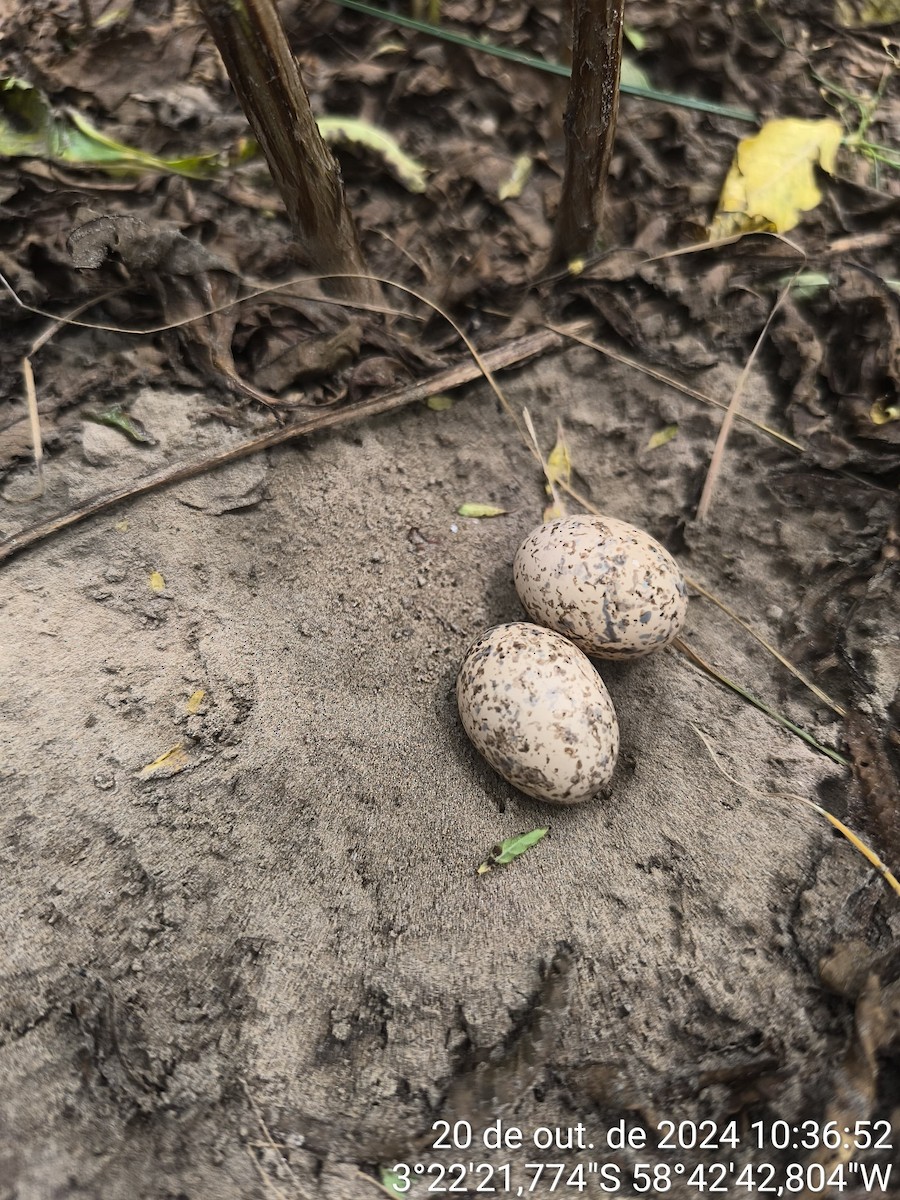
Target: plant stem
{"type": "Point", "coordinates": [590, 125]}
{"type": "Point", "coordinates": [251, 40]}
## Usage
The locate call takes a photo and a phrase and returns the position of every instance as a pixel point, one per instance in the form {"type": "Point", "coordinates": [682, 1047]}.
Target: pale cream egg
{"type": "Point", "coordinates": [537, 710]}
{"type": "Point", "coordinates": [609, 587]}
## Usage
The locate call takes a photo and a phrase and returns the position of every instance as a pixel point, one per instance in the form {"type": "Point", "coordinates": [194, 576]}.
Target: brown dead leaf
{"type": "Point", "coordinates": [294, 359]}
{"type": "Point", "coordinates": [112, 67]}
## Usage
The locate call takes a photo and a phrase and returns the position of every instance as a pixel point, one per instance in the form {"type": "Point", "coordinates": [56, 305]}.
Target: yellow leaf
{"type": "Point", "coordinates": [881, 413]}
{"type": "Point", "coordinates": [439, 403]}
{"type": "Point", "coordinates": [858, 15]}
{"type": "Point", "coordinates": [559, 465]}
{"type": "Point", "coordinates": [172, 761]}
{"type": "Point", "coordinates": [157, 583]}
{"type": "Point", "coordinates": [558, 469]}
{"type": "Point", "coordinates": [193, 704]}
{"type": "Point", "coordinates": [772, 181]}
{"type": "Point", "coordinates": [354, 132]}
{"type": "Point", "coordinates": [480, 510]}
{"type": "Point", "coordinates": [122, 526]}
{"type": "Point", "coordinates": [662, 436]}
{"type": "Point", "coordinates": [512, 189]}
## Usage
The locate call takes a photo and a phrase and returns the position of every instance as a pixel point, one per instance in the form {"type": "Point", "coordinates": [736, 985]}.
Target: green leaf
{"type": "Point", "coordinates": [515, 846]}
{"type": "Point", "coordinates": [353, 132]}
{"type": "Point", "coordinates": [632, 76]}
{"type": "Point", "coordinates": [118, 418]}
{"type": "Point", "coordinates": [439, 403]}
{"type": "Point", "coordinates": [29, 128]}
{"type": "Point", "coordinates": [480, 510]}
{"type": "Point", "coordinates": [635, 37]}
{"type": "Point", "coordinates": [662, 436]}
{"type": "Point", "coordinates": [393, 1183]}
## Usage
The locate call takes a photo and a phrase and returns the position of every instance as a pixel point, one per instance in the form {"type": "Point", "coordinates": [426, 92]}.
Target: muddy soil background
{"type": "Point", "coordinates": [246, 952]}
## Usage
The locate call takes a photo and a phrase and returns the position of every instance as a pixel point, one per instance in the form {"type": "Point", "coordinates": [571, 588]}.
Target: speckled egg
{"type": "Point", "coordinates": [609, 587]}
{"type": "Point", "coordinates": [537, 710]}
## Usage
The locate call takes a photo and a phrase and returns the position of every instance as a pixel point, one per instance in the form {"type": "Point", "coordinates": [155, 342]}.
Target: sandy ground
{"type": "Point", "coordinates": [282, 928]}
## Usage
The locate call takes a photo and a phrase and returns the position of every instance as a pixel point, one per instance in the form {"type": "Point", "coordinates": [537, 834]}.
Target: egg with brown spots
{"type": "Point", "coordinates": [537, 710]}
{"type": "Point", "coordinates": [610, 588]}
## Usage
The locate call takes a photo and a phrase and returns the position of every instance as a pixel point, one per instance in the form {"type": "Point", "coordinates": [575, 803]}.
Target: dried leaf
{"type": "Point", "coordinates": [559, 464]}
{"type": "Point", "coordinates": [881, 413]}
{"type": "Point", "coordinates": [480, 510]}
{"type": "Point", "coordinates": [554, 512]}
{"type": "Point", "coordinates": [157, 583]}
{"type": "Point", "coordinates": [196, 699]}
{"type": "Point", "coordinates": [173, 761]}
{"type": "Point", "coordinates": [856, 1077]}
{"type": "Point", "coordinates": [439, 403]}
{"type": "Point", "coordinates": [662, 436]}
{"type": "Point", "coordinates": [772, 181]}
{"type": "Point", "coordinates": [841, 358]}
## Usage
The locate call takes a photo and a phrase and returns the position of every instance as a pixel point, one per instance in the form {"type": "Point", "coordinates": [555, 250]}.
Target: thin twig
{"type": "Point", "coordinates": [795, 671]}
{"type": "Point", "coordinates": [482, 46]}
{"type": "Point", "coordinates": [34, 419]}
{"type": "Point", "coordinates": [729, 612]}
{"type": "Point", "coordinates": [259, 290]}
{"type": "Point", "coordinates": [533, 437]}
{"type": "Point", "coordinates": [715, 463]}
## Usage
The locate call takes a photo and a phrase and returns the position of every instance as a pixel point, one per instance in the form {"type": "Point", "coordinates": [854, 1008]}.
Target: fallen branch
{"type": "Point", "coordinates": [513, 354]}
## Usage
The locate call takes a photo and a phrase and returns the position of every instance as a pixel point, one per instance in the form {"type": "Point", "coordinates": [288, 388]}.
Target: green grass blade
{"type": "Point", "coordinates": [540, 64]}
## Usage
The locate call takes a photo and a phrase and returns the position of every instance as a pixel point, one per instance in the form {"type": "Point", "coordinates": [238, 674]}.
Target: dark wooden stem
{"type": "Point", "coordinates": [264, 74]}
{"type": "Point", "coordinates": [590, 125]}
